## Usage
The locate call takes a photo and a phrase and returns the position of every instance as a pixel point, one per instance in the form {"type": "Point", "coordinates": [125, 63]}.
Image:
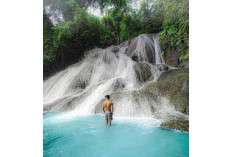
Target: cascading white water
{"type": "Point", "coordinates": [158, 57]}
{"type": "Point", "coordinates": [82, 86]}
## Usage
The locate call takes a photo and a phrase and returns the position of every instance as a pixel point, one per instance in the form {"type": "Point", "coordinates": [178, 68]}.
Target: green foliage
{"type": "Point", "coordinates": [117, 14]}
{"type": "Point", "coordinates": [172, 18]}
{"type": "Point", "coordinates": [48, 55]}
{"type": "Point", "coordinates": [68, 40]}
{"type": "Point", "coordinates": [151, 16]}
{"type": "Point", "coordinates": [175, 34]}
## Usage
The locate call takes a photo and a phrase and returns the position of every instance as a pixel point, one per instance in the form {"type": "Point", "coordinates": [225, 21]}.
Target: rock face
{"type": "Point", "coordinates": [142, 48]}
{"type": "Point", "coordinates": [172, 56]}
{"type": "Point", "coordinates": [172, 59]}
{"type": "Point", "coordinates": [143, 72]}
{"type": "Point", "coordinates": [173, 85]}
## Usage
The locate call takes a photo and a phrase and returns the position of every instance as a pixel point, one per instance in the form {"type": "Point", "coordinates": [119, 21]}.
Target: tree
{"type": "Point", "coordinates": [48, 55]}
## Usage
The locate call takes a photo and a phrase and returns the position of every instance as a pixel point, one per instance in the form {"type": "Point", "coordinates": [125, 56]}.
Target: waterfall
{"type": "Point", "coordinates": [158, 57]}
{"type": "Point", "coordinates": [121, 71]}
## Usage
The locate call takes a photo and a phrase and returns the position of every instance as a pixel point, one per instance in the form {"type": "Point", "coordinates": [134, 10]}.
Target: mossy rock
{"type": "Point", "coordinates": [176, 76]}
{"type": "Point", "coordinates": [179, 124]}
{"type": "Point", "coordinates": [173, 85]}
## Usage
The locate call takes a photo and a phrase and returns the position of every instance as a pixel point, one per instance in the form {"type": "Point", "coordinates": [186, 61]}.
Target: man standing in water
{"type": "Point", "coordinates": [108, 110]}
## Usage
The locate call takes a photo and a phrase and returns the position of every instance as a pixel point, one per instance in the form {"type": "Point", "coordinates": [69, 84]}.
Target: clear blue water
{"type": "Point", "coordinates": [89, 137]}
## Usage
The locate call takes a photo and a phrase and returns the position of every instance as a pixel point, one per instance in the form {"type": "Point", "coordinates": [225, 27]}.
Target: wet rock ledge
{"type": "Point", "coordinates": [179, 124]}
{"type": "Point", "coordinates": [174, 85]}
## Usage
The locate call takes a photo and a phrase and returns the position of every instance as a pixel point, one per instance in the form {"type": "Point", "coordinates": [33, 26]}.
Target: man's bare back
{"type": "Point", "coordinates": [107, 105]}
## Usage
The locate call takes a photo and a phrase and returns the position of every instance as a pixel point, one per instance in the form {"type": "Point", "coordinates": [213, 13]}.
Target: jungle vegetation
{"type": "Point", "coordinates": [69, 29]}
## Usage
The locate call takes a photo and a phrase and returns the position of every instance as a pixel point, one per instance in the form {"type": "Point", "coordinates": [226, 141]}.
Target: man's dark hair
{"type": "Point", "coordinates": [107, 96]}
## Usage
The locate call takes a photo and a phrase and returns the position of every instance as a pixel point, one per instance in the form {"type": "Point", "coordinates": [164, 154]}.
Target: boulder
{"type": "Point", "coordinates": [179, 124]}
{"type": "Point", "coordinates": [173, 85]}
{"type": "Point", "coordinates": [141, 45]}
{"type": "Point", "coordinates": [143, 72]}
{"type": "Point", "coordinates": [161, 67]}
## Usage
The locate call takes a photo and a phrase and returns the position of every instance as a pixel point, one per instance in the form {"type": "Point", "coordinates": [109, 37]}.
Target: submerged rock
{"type": "Point", "coordinates": [173, 85]}
{"type": "Point", "coordinates": [179, 124]}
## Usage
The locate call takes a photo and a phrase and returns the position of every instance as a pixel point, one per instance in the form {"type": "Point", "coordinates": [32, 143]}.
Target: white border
{"type": "Point", "coordinates": [210, 78]}
{"type": "Point", "coordinates": [21, 82]}
{"type": "Point", "coordinates": [21, 78]}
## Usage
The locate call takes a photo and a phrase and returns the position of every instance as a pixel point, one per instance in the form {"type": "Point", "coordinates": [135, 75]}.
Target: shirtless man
{"type": "Point", "coordinates": [108, 110]}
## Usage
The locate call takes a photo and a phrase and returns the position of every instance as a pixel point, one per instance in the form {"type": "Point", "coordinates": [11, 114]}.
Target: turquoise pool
{"type": "Point", "coordinates": [88, 136]}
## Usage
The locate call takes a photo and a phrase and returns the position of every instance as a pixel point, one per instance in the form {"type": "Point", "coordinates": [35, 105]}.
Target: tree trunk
{"type": "Point", "coordinates": [127, 33]}
{"type": "Point", "coordinates": [118, 32]}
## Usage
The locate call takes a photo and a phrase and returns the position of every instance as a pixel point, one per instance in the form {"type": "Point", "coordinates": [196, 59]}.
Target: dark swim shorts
{"type": "Point", "coordinates": [108, 116]}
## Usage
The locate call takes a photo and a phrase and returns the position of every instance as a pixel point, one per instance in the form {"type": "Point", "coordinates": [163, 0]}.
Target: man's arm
{"type": "Point", "coordinates": [112, 108]}
{"type": "Point", "coordinates": [103, 107]}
